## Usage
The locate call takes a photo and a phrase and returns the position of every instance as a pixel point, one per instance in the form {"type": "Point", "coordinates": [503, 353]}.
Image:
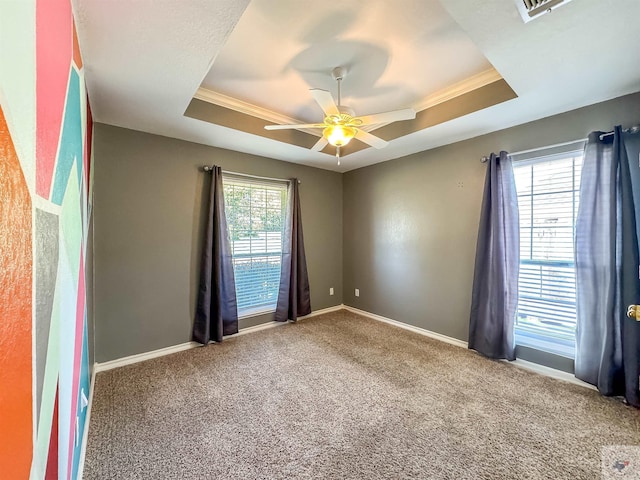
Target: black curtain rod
{"type": "Point", "coordinates": [632, 130]}
{"type": "Point", "coordinates": [208, 169]}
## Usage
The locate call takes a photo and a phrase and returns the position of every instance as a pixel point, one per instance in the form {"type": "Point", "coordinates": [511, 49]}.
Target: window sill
{"type": "Point", "coordinates": [256, 312]}
{"type": "Point", "coordinates": [557, 346]}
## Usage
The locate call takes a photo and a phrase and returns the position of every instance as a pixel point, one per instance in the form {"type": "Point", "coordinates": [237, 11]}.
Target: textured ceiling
{"type": "Point", "coordinates": [145, 61]}
{"type": "Point", "coordinates": [394, 57]}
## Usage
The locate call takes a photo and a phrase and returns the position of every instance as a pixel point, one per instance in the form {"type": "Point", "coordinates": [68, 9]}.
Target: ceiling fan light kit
{"type": "Point", "coordinates": [340, 124]}
{"type": "Point", "coordinates": [339, 135]}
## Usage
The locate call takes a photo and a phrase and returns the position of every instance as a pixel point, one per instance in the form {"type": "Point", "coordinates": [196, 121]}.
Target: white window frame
{"type": "Point", "coordinates": [527, 335]}
{"type": "Point", "coordinates": [272, 185]}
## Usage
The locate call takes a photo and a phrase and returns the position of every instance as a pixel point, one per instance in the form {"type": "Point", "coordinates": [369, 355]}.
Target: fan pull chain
{"type": "Point", "coordinates": [338, 154]}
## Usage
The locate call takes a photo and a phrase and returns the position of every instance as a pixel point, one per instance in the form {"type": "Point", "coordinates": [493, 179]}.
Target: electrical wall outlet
{"type": "Point", "coordinates": [357, 292]}
{"type": "Point", "coordinates": [331, 291]}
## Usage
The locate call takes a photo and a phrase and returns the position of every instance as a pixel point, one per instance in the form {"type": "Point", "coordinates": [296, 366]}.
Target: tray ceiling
{"type": "Point", "coordinates": [215, 71]}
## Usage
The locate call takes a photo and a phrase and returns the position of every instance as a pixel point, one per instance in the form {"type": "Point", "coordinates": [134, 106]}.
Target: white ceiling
{"type": "Point", "coordinates": [262, 66]}
{"type": "Point", "coordinates": [145, 61]}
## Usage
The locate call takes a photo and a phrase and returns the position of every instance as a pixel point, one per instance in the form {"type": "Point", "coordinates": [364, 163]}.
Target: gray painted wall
{"type": "Point", "coordinates": [90, 297]}
{"type": "Point", "coordinates": [409, 238]}
{"type": "Point", "coordinates": [410, 225]}
{"type": "Point", "coordinates": [148, 219]}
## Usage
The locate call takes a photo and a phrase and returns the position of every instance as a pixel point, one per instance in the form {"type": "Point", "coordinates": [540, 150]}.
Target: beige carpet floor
{"type": "Point", "coordinates": [340, 396]}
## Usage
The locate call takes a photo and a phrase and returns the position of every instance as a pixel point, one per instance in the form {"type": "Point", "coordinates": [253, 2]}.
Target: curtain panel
{"type": "Point", "coordinates": [217, 310]}
{"type": "Point", "coordinates": [494, 297]}
{"type": "Point", "coordinates": [607, 342]}
{"type": "Point", "coordinates": [294, 297]}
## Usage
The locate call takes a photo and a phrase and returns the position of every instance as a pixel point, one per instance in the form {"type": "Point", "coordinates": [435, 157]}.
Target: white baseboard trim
{"type": "Point", "coordinates": [534, 367]}
{"type": "Point", "coordinates": [141, 357]}
{"type": "Point", "coordinates": [550, 372]}
{"type": "Point", "coordinates": [411, 328]}
{"type": "Point", "coordinates": [267, 325]}
{"type": "Point", "coordinates": [335, 308]}
{"type": "Point", "coordinates": [87, 424]}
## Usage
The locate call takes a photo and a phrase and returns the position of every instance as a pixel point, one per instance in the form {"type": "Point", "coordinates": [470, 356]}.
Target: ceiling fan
{"type": "Point", "coordinates": [340, 124]}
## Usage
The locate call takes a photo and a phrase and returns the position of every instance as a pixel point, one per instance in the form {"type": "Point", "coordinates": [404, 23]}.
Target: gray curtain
{"type": "Point", "coordinates": [607, 342]}
{"type": "Point", "coordinates": [217, 309]}
{"type": "Point", "coordinates": [494, 297]}
{"type": "Point", "coordinates": [294, 298]}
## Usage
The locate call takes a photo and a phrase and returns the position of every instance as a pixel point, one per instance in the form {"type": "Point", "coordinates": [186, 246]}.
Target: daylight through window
{"type": "Point", "coordinates": [548, 192]}
{"type": "Point", "coordinates": [255, 216]}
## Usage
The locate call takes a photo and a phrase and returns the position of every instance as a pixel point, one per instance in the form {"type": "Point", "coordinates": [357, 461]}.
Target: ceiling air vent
{"type": "Point", "coordinates": [530, 9]}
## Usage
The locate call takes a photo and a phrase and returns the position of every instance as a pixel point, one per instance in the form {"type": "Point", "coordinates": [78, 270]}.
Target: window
{"type": "Point", "coordinates": [548, 191]}
{"type": "Point", "coordinates": [255, 212]}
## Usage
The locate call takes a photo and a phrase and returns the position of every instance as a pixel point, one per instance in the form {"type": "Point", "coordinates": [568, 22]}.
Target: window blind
{"type": "Point", "coordinates": [255, 212]}
{"type": "Point", "coordinates": [548, 189]}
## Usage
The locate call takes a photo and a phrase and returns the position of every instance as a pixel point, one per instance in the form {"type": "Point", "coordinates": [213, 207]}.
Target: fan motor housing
{"type": "Point", "coordinates": [346, 110]}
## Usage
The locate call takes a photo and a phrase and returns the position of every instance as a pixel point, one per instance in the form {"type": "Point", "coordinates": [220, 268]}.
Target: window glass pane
{"type": "Point", "coordinates": [552, 243]}
{"type": "Point", "coordinates": [548, 202]}
{"type": "Point", "coordinates": [525, 245]}
{"type": "Point", "coordinates": [553, 209]}
{"type": "Point", "coordinates": [255, 216]}
{"type": "Point", "coordinates": [524, 207]}
{"type": "Point", "coordinates": [523, 179]}
{"type": "Point", "coordinates": [552, 176]}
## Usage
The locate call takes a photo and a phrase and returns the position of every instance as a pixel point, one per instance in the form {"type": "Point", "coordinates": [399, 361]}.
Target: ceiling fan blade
{"type": "Point", "coordinates": [369, 139]}
{"type": "Point", "coordinates": [320, 144]}
{"type": "Point", "coordinates": [301, 125]}
{"type": "Point", "coordinates": [388, 117]}
{"type": "Point", "coordinates": [325, 100]}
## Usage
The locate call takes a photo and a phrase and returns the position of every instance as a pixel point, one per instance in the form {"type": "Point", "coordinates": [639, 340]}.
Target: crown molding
{"type": "Point", "coordinates": [226, 101]}
{"type": "Point", "coordinates": [465, 86]}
